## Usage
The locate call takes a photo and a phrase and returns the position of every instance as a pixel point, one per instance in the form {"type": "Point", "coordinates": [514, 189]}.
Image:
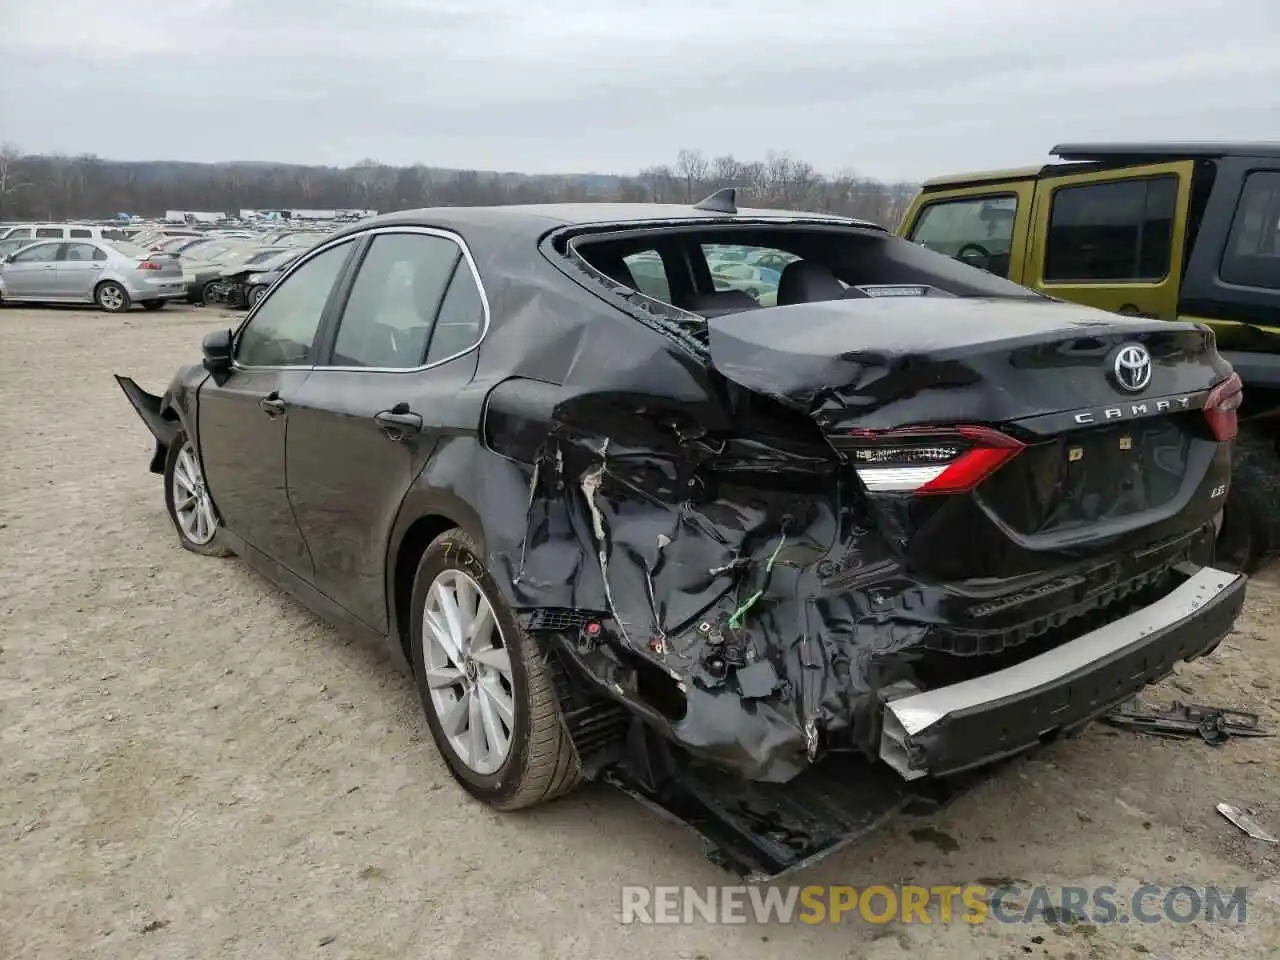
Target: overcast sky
{"type": "Point", "coordinates": [898, 89]}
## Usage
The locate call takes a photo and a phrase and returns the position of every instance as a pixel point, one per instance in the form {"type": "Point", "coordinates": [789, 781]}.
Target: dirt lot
{"type": "Point", "coordinates": [193, 766]}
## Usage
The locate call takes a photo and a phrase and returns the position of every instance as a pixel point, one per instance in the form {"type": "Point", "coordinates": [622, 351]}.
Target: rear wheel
{"type": "Point", "coordinates": [187, 498]}
{"type": "Point", "coordinates": [487, 692]}
{"type": "Point", "coordinates": [1250, 533]}
{"type": "Point", "coordinates": [153, 305]}
{"type": "Point", "coordinates": [112, 297]}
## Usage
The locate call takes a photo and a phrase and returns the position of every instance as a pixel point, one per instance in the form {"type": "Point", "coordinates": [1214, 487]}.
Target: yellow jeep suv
{"type": "Point", "coordinates": [1178, 231]}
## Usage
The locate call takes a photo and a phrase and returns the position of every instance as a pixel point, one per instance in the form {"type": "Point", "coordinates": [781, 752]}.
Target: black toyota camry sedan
{"type": "Point", "coordinates": [876, 512]}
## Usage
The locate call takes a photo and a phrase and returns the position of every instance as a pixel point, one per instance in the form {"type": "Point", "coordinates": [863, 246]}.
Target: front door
{"type": "Point", "coordinates": [985, 226]}
{"type": "Point", "coordinates": [33, 272]}
{"type": "Point", "coordinates": [381, 402]}
{"type": "Point", "coordinates": [243, 421]}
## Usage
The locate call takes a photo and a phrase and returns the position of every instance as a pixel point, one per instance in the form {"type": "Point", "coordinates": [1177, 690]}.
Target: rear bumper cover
{"type": "Point", "coordinates": [965, 725]}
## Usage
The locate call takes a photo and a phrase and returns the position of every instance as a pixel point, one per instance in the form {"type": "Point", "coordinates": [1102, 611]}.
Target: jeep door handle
{"type": "Point", "coordinates": [398, 422]}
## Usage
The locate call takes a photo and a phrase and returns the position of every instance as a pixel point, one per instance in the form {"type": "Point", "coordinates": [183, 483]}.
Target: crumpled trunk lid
{"type": "Point", "coordinates": [1097, 461]}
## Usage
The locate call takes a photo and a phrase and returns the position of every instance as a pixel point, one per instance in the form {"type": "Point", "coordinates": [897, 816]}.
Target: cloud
{"type": "Point", "coordinates": [896, 90]}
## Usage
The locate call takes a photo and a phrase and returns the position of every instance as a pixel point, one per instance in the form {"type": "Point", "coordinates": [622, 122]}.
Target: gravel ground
{"type": "Point", "coordinates": [194, 766]}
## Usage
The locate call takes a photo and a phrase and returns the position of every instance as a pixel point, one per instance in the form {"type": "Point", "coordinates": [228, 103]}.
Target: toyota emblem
{"type": "Point", "coordinates": [1133, 368]}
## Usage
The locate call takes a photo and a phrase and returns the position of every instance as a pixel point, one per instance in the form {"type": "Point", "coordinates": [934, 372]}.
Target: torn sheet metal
{"type": "Point", "coordinates": [1247, 823]}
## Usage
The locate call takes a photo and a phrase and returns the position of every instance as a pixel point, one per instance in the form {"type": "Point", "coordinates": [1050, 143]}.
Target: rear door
{"type": "Point", "coordinates": [1113, 239]}
{"type": "Point", "coordinates": [80, 267]}
{"type": "Point", "coordinates": [243, 420]}
{"type": "Point", "coordinates": [380, 403]}
{"type": "Point", "coordinates": [985, 226]}
{"type": "Point", "coordinates": [33, 272]}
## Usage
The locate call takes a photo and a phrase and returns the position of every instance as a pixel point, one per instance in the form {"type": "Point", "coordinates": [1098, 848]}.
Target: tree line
{"type": "Point", "coordinates": [58, 187]}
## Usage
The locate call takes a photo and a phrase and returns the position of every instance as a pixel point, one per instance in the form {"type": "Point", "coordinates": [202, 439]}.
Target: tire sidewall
{"type": "Point", "coordinates": [124, 294]}
{"type": "Point", "coordinates": [454, 551]}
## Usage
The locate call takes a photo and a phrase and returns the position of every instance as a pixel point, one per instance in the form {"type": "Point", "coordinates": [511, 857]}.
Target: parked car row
{"type": "Point", "coordinates": [150, 265]}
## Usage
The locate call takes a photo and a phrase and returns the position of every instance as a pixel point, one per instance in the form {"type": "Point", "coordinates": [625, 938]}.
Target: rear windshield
{"type": "Point", "coordinates": [127, 248]}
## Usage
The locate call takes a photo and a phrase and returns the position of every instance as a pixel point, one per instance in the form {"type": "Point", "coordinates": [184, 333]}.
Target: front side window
{"type": "Point", "coordinates": [18, 232]}
{"type": "Point", "coordinates": [1120, 230]}
{"type": "Point", "coordinates": [40, 253]}
{"type": "Point", "coordinates": [394, 301]}
{"type": "Point", "coordinates": [974, 230]}
{"type": "Point", "coordinates": [1252, 257]}
{"type": "Point", "coordinates": [282, 332]}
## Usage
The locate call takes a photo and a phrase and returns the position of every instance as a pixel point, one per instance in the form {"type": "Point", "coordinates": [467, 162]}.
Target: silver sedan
{"type": "Point", "coordinates": [113, 274]}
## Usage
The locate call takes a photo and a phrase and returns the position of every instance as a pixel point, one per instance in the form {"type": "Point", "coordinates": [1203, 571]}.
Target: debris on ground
{"type": "Point", "coordinates": [1243, 820]}
{"type": "Point", "coordinates": [1182, 721]}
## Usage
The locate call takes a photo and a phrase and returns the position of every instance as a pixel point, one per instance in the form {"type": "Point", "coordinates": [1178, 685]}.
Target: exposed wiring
{"type": "Point", "coordinates": [735, 618]}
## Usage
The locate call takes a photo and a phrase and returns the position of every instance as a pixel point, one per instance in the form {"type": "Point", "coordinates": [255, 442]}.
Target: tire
{"type": "Point", "coordinates": [255, 294]}
{"type": "Point", "coordinates": [111, 297]}
{"type": "Point", "coordinates": [153, 305]}
{"type": "Point", "coordinates": [540, 763]}
{"type": "Point", "coordinates": [191, 537]}
{"type": "Point", "coordinates": [1250, 533]}
{"type": "Point", "coordinates": [207, 295]}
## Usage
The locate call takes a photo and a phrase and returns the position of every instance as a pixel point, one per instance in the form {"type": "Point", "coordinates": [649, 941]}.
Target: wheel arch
{"type": "Point", "coordinates": [424, 515]}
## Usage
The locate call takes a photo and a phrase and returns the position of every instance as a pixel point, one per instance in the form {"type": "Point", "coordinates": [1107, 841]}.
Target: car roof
{"type": "Point", "coordinates": [536, 219]}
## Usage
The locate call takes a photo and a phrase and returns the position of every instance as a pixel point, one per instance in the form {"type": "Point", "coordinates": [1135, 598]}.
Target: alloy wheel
{"type": "Point", "coordinates": [191, 502]}
{"type": "Point", "coordinates": [468, 672]}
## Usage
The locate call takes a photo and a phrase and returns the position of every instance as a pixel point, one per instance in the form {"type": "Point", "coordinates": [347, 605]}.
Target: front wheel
{"type": "Point", "coordinates": [255, 294]}
{"type": "Point", "coordinates": [187, 498]}
{"type": "Point", "coordinates": [112, 297]}
{"type": "Point", "coordinates": [486, 689]}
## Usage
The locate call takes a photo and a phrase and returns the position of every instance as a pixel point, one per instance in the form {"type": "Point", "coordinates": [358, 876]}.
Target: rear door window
{"type": "Point", "coordinates": [974, 230]}
{"type": "Point", "coordinates": [394, 300]}
{"type": "Point", "coordinates": [1252, 256]}
{"type": "Point", "coordinates": [1118, 231]}
{"type": "Point", "coordinates": [82, 251]}
{"type": "Point", "coordinates": [49, 232]}
{"type": "Point", "coordinates": [79, 233]}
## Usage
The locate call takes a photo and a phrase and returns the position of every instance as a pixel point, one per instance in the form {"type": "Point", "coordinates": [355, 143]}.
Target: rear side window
{"type": "Point", "coordinates": [1252, 257]}
{"type": "Point", "coordinates": [49, 232]}
{"type": "Point", "coordinates": [82, 251]}
{"type": "Point", "coordinates": [650, 274]}
{"type": "Point", "coordinates": [394, 300]}
{"type": "Point", "coordinates": [975, 230]}
{"type": "Point", "coordinates": [754, 270]}
{"type": "Point", "coordinates": [81, 233]}
{"type": "Point", "coordinates": [1116, 231]}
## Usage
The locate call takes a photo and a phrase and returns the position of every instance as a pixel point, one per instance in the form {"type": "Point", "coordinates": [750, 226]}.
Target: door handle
{"type": "Point", "coordinates": [398, 422]}
{"type": "Point", "coordinates": [272, 405]}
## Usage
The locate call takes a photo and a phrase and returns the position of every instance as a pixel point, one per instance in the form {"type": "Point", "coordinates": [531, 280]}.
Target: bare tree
{"type": "Point", "coordinates": [692, 167]}
{"type": "Point", "coordinates": [11, 180]}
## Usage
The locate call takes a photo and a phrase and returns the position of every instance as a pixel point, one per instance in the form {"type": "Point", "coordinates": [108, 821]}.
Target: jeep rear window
{"type": "Point", "coordinates": [1120, 230]}
{"type": "Point", "coordinates": [1252, 257]}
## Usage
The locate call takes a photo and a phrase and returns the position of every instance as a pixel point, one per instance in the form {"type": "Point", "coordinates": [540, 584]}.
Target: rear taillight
{"type": "Point", "coordinates": [928, 459]}
{"type": "Point", "coordinates": [149, 265]}
{"type": "Point", "coordinates": [1221, 406]}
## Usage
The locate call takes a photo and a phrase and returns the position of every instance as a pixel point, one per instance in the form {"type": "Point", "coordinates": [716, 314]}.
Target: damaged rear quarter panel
{"type": "Point", "coordinates": [625, 480]}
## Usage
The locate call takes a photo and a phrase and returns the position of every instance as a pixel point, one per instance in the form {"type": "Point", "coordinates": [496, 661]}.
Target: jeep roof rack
{"type": "Point", "coordinates": [1166, 150]}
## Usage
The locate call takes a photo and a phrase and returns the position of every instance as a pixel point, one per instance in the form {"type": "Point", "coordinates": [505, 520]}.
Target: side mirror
{"type": "Point", "coordinates": [217, 352]}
